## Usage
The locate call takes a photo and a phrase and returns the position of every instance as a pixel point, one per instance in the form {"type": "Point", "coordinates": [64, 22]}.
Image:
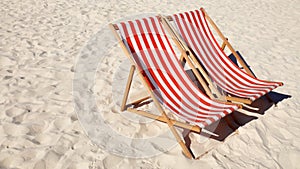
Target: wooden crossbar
{"type": "Point", "coordinates": [193, 128]}
{"type": "Point", "coordinates": [139, 100]}
{"type": "Point", "coordinates": [238, 99]}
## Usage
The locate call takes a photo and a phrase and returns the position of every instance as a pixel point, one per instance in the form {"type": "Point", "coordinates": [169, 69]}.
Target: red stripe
{"type": "Point", "coordinates": [224, 56]}
{"type": "Point", "coordinates": [232, 71]}
{"type": "Point", "coordinates": [185, 36]}
{"type": "Point", "coordinates": [164, 64]}
{"type": "Point", "coordinates": [176, 18]}
{"type": "Point", "coordinates": [185, 83]}
{"type": "Point", "coordinates": [193, 42]}
{"type": "Point", "coordinates": [241, 90]}
{"type": "Point", "coordinates": [216, 55]}
{"type": "Point", "coordinates": [162, 75]}
{"type": "Point", "coordinates": [257, 86]}
{"type": "Point", "coordinates": [156, 82]}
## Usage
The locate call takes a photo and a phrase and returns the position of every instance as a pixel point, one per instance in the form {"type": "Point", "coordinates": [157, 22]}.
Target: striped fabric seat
{"type": "Point", "coordinates": [193, 28]}
{"type": "Point", "coordinates": [156, 60]}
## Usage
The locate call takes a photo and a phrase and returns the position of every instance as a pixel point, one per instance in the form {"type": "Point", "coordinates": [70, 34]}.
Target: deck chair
{"type": "Point", "coordinates": [197, 39]}
{"type": "Point", "coordinates": [146, 44]}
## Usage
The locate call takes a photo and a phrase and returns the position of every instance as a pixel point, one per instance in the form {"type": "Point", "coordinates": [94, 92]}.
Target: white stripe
{"type": "Point", "coordinates": [173, 73]}
{"type": "Point", "coordinates": [183, 75]}
{"type": "Point", "coordinates": [192, 45]}
{"type": "Point", "coordinates": [164, 96]}
{"type": "Point", "coordinates": [231, 64]}
{"type": "Point", "coordinates": [234, 88]}
{"type": "Point", "coordinates": [221, 65]}
{"type": "Point", "coordinates": [160, 66]}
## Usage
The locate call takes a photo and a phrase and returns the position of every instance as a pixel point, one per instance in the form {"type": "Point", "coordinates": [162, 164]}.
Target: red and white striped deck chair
{"type": "Point", "coordinates": [144, 41]}
{"type": "Point", "coordinates": [194, 32]}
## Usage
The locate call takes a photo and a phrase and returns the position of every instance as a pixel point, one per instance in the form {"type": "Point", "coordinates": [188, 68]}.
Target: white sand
{"type": "Point", "coordinates": [40, 42]}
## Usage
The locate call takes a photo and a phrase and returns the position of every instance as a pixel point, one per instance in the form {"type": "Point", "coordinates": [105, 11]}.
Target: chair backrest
{"type": "Point", "coordinates": [195, 31]}
{"type": "Point", "coordinates": [156, 60]}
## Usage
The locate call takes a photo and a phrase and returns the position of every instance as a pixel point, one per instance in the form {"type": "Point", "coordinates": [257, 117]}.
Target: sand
{"type": "Point", "coordinates": [51, 50]}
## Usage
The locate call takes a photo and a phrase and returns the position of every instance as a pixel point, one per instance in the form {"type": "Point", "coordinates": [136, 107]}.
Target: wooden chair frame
{"type": "Point", "coordinates": [181, 44]}
{"type": "Point", "coordinates": [163, 117]}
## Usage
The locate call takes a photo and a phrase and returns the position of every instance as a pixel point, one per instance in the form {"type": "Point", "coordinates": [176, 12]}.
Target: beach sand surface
{"type": "Point", "coordinates": [44, 72]}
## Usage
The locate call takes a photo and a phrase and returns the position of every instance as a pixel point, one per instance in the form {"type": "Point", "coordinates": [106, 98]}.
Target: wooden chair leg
{"type": "Point", "coordinates": [171, 124]}
{"type": "Point", "coordinates": [126, 93]}
{"type": "Point", "coordinates": [185, 149]}
{"type": "Point", "coordinates": [187, 140]}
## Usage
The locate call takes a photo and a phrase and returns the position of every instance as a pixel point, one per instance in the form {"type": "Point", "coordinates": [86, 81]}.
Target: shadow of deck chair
{"type": "Point", "coordinates": [145, 43]}
{"type": "Point", "coordinates": [194, 36]}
